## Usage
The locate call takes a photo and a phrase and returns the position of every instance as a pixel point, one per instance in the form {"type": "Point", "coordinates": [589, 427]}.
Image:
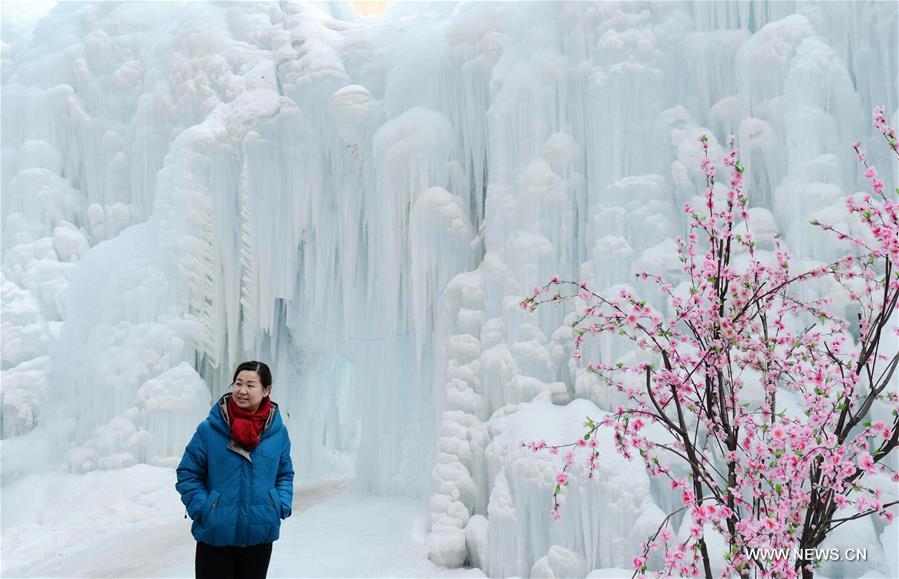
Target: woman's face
{"type": "Point", "coordinates": [247, 390]}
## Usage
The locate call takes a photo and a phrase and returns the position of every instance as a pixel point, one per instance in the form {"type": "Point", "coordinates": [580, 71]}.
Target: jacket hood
{"type": "Point", "coordinates": [219, 419]}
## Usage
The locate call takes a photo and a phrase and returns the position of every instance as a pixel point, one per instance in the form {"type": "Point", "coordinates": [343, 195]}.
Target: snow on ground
{"type": "Point", "coordinates": [130, 523]}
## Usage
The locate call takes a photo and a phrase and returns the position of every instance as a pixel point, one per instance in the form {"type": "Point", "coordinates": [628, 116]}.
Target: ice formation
{"type": "Point", "coordinates": [363, 202]}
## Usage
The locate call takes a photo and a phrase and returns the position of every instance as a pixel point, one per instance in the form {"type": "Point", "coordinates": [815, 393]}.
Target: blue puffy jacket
{"type": "Point", "coordinates": [236, 497]}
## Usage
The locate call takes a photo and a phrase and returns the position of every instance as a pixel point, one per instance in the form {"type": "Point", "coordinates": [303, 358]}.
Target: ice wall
{"type": "Point", "coordinates": [363, 202]}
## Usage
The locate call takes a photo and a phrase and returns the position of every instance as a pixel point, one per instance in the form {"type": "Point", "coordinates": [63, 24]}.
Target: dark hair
{"type": "Point", "coordinates": [265, 375]}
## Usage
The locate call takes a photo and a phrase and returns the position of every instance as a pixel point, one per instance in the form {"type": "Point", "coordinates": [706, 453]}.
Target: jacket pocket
{"type": "Point", "coordinates": [275, 499]}
{"type": "Point", "coordinates": [211, 504]}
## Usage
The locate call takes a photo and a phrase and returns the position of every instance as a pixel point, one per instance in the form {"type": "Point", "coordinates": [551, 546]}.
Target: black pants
{"type": "Point", "coordinates": [232, 562]}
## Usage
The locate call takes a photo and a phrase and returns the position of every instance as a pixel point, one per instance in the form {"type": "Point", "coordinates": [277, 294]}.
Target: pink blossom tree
{"type": "Point", "coordinates": [760, 473]}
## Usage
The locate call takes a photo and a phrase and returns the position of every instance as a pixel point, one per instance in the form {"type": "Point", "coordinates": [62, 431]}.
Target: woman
{"type": "Point", "coordinates": [236, 479]}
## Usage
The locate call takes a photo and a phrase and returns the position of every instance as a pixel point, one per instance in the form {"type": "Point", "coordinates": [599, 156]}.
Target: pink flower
{"type": "Point", "coordinates": [867, 464]}
{"type": "Point", "coordinates": [882, 428]}
{"type": "Point", "coordinates": [880, 120]}
{"type": "Point", "coordinates": [561, 478]}
{"type": "Point", "coordinates": [638, 562]}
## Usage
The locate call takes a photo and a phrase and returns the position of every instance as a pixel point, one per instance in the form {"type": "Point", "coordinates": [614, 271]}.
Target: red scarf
{"type": "Point", "coordinates": [246, 426]}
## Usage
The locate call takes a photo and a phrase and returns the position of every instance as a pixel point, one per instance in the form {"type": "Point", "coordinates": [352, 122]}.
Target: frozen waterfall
{"type": "Point", "coordinates": [363, 201]}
